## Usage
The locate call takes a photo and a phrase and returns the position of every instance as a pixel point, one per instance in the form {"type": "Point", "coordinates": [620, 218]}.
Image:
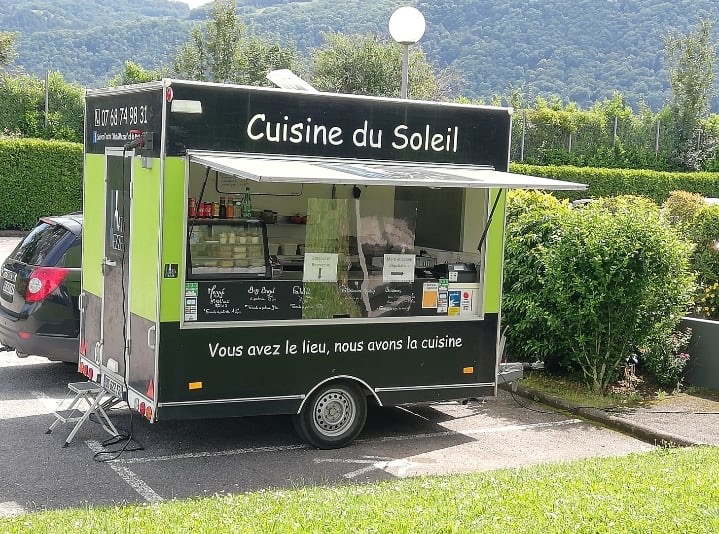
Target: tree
{"type": "Point", "coordinates": [221, 51]}
{"type": "Point", "coordinates": [691, 75]}
{"type": "Point", "coordinates": [7, 48]}
{"type": "Point", "coordinates": [371, 65]}
{"type": "Point", "coordinates": [22, 112]}
{"type": "Point", "coordinates": [133, 73]}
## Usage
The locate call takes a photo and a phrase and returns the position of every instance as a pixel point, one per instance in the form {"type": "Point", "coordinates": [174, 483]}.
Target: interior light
{"type": "Point", "coordinates": [186, 106]}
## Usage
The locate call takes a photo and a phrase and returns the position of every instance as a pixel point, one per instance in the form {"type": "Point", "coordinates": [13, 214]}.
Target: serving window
{"type": "Point", "coordinates": [329, 251]}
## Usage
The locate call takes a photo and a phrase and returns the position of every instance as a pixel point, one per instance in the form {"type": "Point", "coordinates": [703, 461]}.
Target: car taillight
{"type": "Point", "coordinates": [43, 281]}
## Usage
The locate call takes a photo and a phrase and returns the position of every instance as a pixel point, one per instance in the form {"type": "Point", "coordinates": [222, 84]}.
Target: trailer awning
{"type": "Point", "coordinates": [355, 172]}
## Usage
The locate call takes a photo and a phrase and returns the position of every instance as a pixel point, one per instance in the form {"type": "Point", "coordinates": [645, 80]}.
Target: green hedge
{"type": "Point", "coordinates": [603, 182]}
{"type": "Point", "coordinates": [38, 178]}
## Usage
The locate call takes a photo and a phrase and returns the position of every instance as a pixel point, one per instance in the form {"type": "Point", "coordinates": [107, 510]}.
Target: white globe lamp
{"type": "Point", "coordinates": [406, 26]}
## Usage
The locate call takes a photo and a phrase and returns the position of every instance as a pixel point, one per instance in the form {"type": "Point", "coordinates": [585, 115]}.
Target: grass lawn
{"type": "Point", "coordinates": [666, 491]}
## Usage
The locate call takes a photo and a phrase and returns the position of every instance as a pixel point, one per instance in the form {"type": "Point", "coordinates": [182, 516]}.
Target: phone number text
{"type": "Point", "coordinates": [128, 115]}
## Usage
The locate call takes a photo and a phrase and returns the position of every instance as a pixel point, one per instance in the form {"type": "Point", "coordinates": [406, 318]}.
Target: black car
{"type": "Point", "coordinates": [39, 312]}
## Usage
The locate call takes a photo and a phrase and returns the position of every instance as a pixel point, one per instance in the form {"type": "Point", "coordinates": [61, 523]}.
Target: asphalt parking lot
{"type": "Point", "coordinates": [182, 459]}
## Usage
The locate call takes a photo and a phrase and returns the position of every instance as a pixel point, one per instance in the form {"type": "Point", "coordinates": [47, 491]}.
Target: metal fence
{"type": "Point", "coordinates": [638, 137]}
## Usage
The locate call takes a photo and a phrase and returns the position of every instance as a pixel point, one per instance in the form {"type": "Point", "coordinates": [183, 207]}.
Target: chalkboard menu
{"type": "Point", "coordinates": [377, 299]}
{"type": "Point", "coordinates": [276, 300]}
{"type": "Point", "coordinates": [243, 300]}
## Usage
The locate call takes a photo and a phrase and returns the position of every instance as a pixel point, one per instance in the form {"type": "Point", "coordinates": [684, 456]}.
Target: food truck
{"type": "Point", "coordinates": [255, 251]}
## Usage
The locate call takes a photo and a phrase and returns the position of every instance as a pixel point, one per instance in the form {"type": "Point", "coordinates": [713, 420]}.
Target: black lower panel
{"type": "Point", "coordinates": [416, 361]}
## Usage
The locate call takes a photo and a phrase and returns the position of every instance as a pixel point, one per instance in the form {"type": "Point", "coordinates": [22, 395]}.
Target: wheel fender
{"type": "Point", "coordinates": [349, 378]}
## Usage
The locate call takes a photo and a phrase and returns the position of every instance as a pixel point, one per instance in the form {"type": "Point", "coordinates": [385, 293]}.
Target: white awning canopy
{"type": "Point", "coordinates": [287, 169]}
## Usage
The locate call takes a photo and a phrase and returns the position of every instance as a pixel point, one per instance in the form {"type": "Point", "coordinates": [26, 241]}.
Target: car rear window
{"type": "Point", "coordinates": [40, 246]}
{"type": "Point", "coordinates": [73, 256]}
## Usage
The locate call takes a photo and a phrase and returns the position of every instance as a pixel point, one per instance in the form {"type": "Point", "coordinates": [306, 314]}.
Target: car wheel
{"type": "Point", "coordinates": [333, 416]}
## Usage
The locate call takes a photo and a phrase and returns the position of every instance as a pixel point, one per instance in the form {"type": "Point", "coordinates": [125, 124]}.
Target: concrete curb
{"type": "Point", "coordinates": [637, 430]}
{"type": "Point", "coordinates": [13, 233]}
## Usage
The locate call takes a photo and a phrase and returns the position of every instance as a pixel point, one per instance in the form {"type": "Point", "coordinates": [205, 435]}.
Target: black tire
{"type": "Point", "coordinates": [333, 416]}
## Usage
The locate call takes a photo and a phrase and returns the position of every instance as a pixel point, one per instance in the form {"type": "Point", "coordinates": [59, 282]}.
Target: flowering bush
{"type": "Point", "coordinates": [666, 358]}
{"type": "Point", "coordinates": [708, 302]}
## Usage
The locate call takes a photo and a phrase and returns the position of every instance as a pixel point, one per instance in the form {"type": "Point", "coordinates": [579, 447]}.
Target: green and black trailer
{"type": "Point", "coordinates": [254, 251]}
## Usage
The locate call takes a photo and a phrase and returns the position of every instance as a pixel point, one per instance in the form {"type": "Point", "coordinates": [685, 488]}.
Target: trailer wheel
{"type": "Point", "coordinates": [333, 416]}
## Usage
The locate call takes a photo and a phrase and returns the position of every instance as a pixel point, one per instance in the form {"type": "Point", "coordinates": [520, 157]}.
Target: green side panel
{"type": "Point", "coordinates": [145, 240]}
{"type": "Point", "coordinates": [93, 235]}
{"type": "Point", "coordinates": [495, 254]}
{"type": "Point", "coordinates": [173, 214]}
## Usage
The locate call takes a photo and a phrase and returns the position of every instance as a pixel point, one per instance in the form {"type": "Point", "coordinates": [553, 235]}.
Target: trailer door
{"type": "Point", "coordinates": [115, 271]}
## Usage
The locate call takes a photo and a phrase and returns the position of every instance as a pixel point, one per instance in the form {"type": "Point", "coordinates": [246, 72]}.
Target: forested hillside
{"type": "Point", "coordinates": [582, 50]}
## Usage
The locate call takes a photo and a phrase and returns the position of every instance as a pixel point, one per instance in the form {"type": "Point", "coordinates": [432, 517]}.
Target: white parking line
{"type": "Point", "coordinates": [373, 462]}
{"type": "Point", "coordinates": [190, 455]}
{"type": "Point", "coordinates": [489, 430]}
{"type": "Point", "coordinates": [49, 403]}
{"type": "Point", "coordinates": [147, 493]}
{"type": "Point", "coordinates": [10, 509]}
{"type": "Point", "coordinates": [278, 448]}
{"type": "Point", "coordinates": [130, 478]}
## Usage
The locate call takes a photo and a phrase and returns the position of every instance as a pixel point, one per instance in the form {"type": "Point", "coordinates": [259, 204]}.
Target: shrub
{"type": "Point", "coordinates": [599, 282]}
{"type": "Point", "coordinates": [666, 358]}
{"type": "Point", "coordinates": [532, 218]}
{"type": "Point", "coordinates": [680, 208]}
{"type": "Point", "coordinates": [708, 301]}
{"type": "Point", "coordinates": [616, 276]}
{"type": "Point", "coordinates": [698, 223]}
{"type": "Point", "coordinates": [703, 231]}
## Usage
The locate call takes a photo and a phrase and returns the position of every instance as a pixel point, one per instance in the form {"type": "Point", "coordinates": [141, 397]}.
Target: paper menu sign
{"type": "Point", "coordinates": [398, 268]}
{"type": "Point", "coordinates": [320, 267]}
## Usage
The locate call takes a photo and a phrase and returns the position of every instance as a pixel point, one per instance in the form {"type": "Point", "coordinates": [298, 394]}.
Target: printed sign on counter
{"type": "Point", "coordinates": [454, 303]}
{"type": "Point", "coordinates": [429, 294]}
{"type": "Point", "coordinates": [398, 268]}
{"type": "Point", "coordinates": [191, 301]}
{"type": "Point", "coordinates": [320, 267]}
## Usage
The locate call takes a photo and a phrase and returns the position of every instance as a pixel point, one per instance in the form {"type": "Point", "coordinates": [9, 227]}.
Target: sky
{"type": "Point", "coordinates": [195, 3]}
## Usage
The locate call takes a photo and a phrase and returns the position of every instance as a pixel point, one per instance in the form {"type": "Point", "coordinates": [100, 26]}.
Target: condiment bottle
{"type": "Point", "coordinates": [247, 204]}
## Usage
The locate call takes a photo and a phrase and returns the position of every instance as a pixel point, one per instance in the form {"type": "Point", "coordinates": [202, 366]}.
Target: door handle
{"type": "Point", "coordinates": [107, 263]}
{"type": "Point", "coordinates": [151, 338]}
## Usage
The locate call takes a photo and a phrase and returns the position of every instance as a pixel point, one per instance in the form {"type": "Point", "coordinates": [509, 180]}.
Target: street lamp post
{"type": "Point", "coordinates": [406, 26]}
